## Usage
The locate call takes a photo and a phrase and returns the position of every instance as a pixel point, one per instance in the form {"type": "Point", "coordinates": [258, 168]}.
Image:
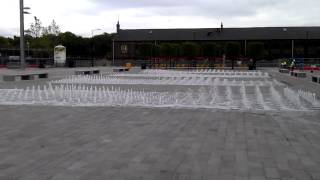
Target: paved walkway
{"type": "Point", "coordinates": [56, 143]}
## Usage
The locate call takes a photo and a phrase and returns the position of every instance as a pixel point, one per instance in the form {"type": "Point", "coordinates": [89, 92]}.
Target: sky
{"type": "Point", "coordinates": [82, 16]}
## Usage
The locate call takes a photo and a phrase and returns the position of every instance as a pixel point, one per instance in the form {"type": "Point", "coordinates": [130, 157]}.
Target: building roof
{"type": "Point", "coordinates": [206, 34]}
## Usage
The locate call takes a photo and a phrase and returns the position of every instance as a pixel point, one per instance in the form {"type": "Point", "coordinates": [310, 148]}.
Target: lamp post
{"type": "Point", "coordinates": [22, 48]}
{"type": "Point", "coordinates": [93, 46]}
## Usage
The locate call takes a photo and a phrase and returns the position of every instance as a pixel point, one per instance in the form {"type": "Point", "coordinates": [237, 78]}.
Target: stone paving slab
{"type": "Point", "coordinates": [140, 143]}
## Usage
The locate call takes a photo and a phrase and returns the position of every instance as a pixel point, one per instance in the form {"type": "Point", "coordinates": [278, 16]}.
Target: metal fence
{"type": "Point", "coordinates": [49, 62]}
{"type": "Point", "coordinates": [152, 63]}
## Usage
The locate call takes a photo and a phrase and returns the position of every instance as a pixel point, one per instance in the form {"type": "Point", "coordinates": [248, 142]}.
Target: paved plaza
{"type": "Point", "coordinates": [185, 143]}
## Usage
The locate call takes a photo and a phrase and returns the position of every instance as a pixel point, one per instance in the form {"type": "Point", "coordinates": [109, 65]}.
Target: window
{"type": "Point", "coordinates": [124, 49]}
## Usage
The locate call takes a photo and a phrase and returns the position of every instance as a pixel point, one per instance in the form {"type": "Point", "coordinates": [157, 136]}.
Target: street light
{"type": "Point", "coordinates": [22, 48]}
{"type": "Point", "coordinates": [93, 46]}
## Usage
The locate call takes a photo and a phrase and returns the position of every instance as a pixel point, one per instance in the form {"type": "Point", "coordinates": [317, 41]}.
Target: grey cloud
{"type": "Point", "coordinates": [207, 8]}
{"type": "Point", "coordinates": [9, 32]}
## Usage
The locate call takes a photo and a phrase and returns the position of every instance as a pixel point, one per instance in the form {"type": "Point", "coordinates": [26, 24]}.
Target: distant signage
{"type": "Point", "coordinates": [60, 55]}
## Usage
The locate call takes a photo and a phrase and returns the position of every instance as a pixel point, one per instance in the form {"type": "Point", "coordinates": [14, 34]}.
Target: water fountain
{"type": "Point", "coordinates": [310, 97]}
{"type": "Point", "coordinates": [260, 99]}
{"type": "Point", "coordinates": [292, 96]}
{"type": "Point", "coordinates": [211, 89]}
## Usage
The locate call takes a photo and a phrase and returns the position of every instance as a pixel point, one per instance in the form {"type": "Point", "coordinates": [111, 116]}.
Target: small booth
{"type": "Point", "coordinates": [60, 56]}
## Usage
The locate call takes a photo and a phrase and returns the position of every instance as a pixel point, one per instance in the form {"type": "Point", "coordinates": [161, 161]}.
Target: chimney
{"type": "Point", "coordinates": [118, 27]}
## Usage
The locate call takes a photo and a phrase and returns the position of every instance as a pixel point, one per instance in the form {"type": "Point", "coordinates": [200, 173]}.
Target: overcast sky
{"type": "Point", "coordinates": [81, 16]}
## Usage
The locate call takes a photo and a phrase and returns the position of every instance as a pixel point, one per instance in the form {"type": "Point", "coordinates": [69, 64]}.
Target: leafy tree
{"type": "Point", "coordinates": [15, 42]}
{"type": "Point", "coordinates": [155, 50]}
{"type": "Point", "coordinates": [147, 50]}
{"type": "Point", "coordinates": [52, 29]}
{"type": "Point", "coordinates": [166, 49]}
{"type": "Point", "coordinates": [47, 42]}
{"type": "Point", "coordinates": [102, 44]}
{"type": "Point", "coordinates": [233, 51]}
{"type": "Point", "coordinates": [36, 28]}
{"type": "Point", "coordinates": [210, 49]}
{"type": "Point", "coordinates": [4, 42]}
{"type": "Point", "coordinates": [170, 51]}
{"type": "Point", "coordinates": [190, 50]}
{"type": "Point", "coordinates": [175, 50]}
{"type": "Point", "coordinates": [256, 51]}
{"type": "Point", "coordinates": [76, 45]}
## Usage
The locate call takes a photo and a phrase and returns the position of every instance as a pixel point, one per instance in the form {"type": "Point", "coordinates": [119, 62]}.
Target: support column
{"type": "Point", "coordinates": [112, 52]}
{"type": "Point", "coordinates": [292, 49]}
{"type": "Point", "coordinates": [22, 53]}
{"type": "Point", "coordinates": [245, 48]}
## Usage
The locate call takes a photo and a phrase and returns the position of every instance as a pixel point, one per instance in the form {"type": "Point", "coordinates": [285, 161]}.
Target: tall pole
{"type": "Point", "coordinates": [22, 55]}
{"type": "Point", "coordinates": [292, 49]}
{"type": "Point", "coordinates": [93, 46]}
{"type": "Point", "coordinates": [245, 48]}
{"type": "Point", "coordinates": [92, 49]}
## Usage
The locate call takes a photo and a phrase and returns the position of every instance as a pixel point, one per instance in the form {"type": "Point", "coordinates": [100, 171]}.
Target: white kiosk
{"type": "Point", "coordinates": [60, 56]}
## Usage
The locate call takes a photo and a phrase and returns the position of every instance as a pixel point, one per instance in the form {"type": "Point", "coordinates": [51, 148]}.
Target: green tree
{"type": "Point", "coordinates": [176, 50]}
{"type": "Point", "coordinates": [232, 50]}
{"type": "Point", "coordinates": [36, 28]}
{"type": "Point", "coordinates": [166, 49]}
{"type": "Point", "coordinates": [74, 44]}
{"type": "Point", "coordinates": [190, 49]}
{"type": "Point", "coordinates": [102, 44]}
{"type": "Point", "coordinates": [170, 51]}
{"type": "Point", "coordinates": [14, 42]}
{"type": "Point", "coordinates": [147, 50]}
{"type": "Point", "coordinates": [256, 51]}
{"type": "Point", "coordinates": [155, 50]}
{"type": "Point", "coordinates": [210, 49]}
{"type": "Point", "coordinates": [52, 29]}
{"type": "Point", "coordinates": [4, 42]}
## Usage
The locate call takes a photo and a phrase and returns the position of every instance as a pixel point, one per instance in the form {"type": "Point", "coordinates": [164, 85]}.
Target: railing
{"type": "Point", "coordinates": [49, 62]}
{"type": "Point", "coordinates": [187, 63]}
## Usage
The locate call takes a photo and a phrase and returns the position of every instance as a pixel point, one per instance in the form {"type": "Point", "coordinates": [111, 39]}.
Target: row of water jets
{"type": "Point", "coordinates": [218, 97]}
{"type": "Point", "coordinates": [208, 71]}
{"type": "Point", "coordinates": [190, 81]}
{"type": "Point", "coordinates": [222, 75]}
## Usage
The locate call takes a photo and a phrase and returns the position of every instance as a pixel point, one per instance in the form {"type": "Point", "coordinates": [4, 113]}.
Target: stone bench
{"type": "Point", "coordinates": [315, 79]}
{"type": "Point", "coordinates": [87, 71]}
{"type": "Point", "coordinates": [298, 74]}
{"type": "Point", "coordinates": [24, 76]}
{"type": "Point", "coordinates": [284, 71]}
{"type": "Point", "coordinates": [120, 69]}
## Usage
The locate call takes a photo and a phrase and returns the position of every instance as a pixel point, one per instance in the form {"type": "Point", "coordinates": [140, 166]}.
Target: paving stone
{"type": "Point", "coordinates": [272, 173]}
